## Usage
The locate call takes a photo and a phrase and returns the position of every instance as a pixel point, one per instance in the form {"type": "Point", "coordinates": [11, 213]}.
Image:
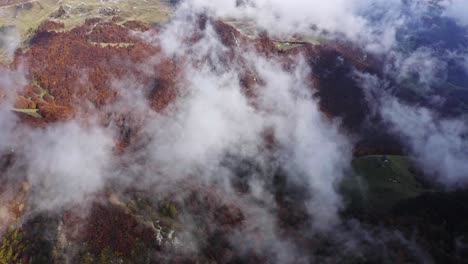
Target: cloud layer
{"type": "Point", "coordinates": [278, 128]}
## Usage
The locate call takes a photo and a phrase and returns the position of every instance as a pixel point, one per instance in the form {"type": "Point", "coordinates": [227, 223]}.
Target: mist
{"type": "Point", "coordinates": [67, 163]}
{"type": "Point", "coordinates": [214, 118]}
{"type": "Point", "coordinates": [246, 131]}
{"type": "Point", "coordinates": [454, 9]}
{"type": "Point", "coordinates": [438, 144]}
{"type": "Point", "coordinates": [9, 42]}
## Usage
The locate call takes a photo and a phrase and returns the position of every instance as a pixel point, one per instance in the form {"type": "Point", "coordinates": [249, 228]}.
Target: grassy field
{"type": "Point", "coordinates": [30, 112]}
{"type": "Point", "coordinates": [286, 45]}
{"type": "Point", "coordinates": [290, 44]}
{"type": "Point", "coordinates": [379, 182]}
{"type": "Point", "coordinates": [30, 16]}
{"type": "Point", "coordinates": [120, 45]}
{"type": "Point", "coordinates": [27, 17]}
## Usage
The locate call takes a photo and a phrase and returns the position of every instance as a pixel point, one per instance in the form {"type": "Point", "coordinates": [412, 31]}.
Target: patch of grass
{"type": "Point", "coordinates": [380, 181]}
{"type": "Point", "coordinates": [286, 45]}
{"type": "Point", "coordinates": [294, 42]}
{"type": "Point", "coordinates": [169, 210]}
{"type": "Point", "coordinates": [30, 112]}
{"type": "Point", "coordinates": [246, 27]}
{"type": "Point", "coordinates": [119, 45]}
{"type": "Point", "coordinates": [43, 92]}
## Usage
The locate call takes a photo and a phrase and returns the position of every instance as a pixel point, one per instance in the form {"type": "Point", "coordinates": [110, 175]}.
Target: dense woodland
{"type": "Point", "coordinates": [71, 73]}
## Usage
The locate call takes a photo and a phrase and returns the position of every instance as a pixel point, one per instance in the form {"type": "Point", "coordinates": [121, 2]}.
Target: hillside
{"type": "Point", "coordinates": [153, 132]}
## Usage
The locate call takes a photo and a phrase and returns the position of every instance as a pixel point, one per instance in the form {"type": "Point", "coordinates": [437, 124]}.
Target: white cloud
{"type": "Point", "coordinates": [214, 117]}
{"type": "Point", "coordinates": [465, 63]}
{"type": "Point", "coordinates": [456, 9]}
{"type": "Point", "coordinates": [315, 152]}
{"type": "Point", "coordinates": [439, 145]}
{"type": "Point", "coordinates": [9, 41]}
{"type": "Point", "coordinates": [371, 23]}
{"type": "Point", "coordinates": [422, 67]}
{"type": "Point", "coordinates": [11, 82]}
{"type": "Point", "coordinates": [67, 163]}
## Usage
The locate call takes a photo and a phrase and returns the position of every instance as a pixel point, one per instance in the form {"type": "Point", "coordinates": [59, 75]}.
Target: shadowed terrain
{"type": "Point", "coordinates": [97, 69]}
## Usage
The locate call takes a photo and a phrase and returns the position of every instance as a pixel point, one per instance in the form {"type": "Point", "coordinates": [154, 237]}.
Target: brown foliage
{"type": "Point", "coordinates": [78, 73]}
{"type": "Point", "coordinates": [111, 227]}
{"type": "Point", "coordinates": [22, 103]}
{"type": "Point", "coordinates": [53, 113]}
{"type": "Point", "coordinates": [136, 25]}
